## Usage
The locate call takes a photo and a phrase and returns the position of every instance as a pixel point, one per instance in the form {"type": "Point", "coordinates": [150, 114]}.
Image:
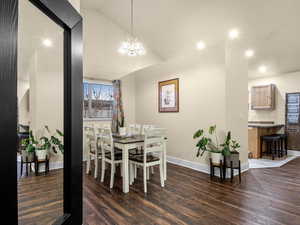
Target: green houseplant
{"type": "Point", "coordinates": [41, 147]}
{"type": "Point", "coordinates": [28, 148]}
{"type": "Point", "coordinates": [217, 151]}
{"type": "Point", "coordinates": [206, 144]}
{"type": "Point", "coordinates": [50, 142]}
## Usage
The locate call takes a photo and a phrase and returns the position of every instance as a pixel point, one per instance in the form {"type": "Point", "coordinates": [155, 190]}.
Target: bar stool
{"type": "Point", "coordinates": [283, 144]}
{"type": "Point", "coordinates": [272, 144]}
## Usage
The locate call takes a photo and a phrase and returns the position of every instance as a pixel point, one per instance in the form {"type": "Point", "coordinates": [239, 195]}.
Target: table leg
{"type": "Point", "coordinates": [125, 169]}
{"type": "Point", "coordinates": [165, 161]}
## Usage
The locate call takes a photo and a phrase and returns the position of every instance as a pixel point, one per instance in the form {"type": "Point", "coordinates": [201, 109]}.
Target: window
{"type": "Point", "coordinates": [98, 101]}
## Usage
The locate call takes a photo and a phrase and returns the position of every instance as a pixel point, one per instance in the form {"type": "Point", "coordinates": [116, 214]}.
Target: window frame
{"type": "Point", "coordinates": [100, 82]}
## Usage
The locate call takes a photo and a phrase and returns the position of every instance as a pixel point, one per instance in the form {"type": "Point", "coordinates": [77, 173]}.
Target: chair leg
{"type": "Point", "coordinates": [102, 170]}
{"type": "Point", "coordinates": [148, 173]}
{"type": "Point", "coordinates": [96, 167]}
{"type": "Point", "coordinates": [161, 170]}
{"type": "Point", "coordinates": [88, 166]}
{"type": "Point", "coordinates": [152, 170]}
{"type": "Point", "coordinates": [145, 179]}
{"type": "Point", "coordinates": [112, 174]}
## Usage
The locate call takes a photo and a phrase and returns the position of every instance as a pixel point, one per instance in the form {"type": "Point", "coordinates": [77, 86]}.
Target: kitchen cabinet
{"type": "Point", "coordinates": [263, 97]}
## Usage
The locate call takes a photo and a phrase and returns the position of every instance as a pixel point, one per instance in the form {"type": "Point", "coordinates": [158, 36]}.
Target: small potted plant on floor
{"type": "Point", "coordinates": [52, 142]}
{"type": "Point", "coordinates": [205, 144]}
{"type": "Point", "coordinates": [227, 150]}
{"type": "Point", "coordinates": [230, 152]}
{"type": "Point", "coordinates": [28, 148]}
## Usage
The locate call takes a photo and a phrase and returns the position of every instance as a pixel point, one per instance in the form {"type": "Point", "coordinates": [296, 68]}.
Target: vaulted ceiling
{"type": "Point", "coordinates": [171, 29]}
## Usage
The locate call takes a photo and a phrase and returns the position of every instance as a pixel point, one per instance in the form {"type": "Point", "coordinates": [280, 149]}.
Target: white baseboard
{"type": "Point", "coordinates": [293, 153]}
{"type": "Point", "coordinates": [204, 168]}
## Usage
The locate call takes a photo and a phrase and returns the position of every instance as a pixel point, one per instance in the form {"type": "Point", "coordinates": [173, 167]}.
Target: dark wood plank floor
{"type": "Point", "coordinates": [266, 196]}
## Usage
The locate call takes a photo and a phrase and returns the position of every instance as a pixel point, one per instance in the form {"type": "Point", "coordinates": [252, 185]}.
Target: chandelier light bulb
{"type": "Point", "coordinates": [132, 47]}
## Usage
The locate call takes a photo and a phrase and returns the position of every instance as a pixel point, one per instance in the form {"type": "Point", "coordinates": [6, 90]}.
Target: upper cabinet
{"type": "Point", "coordinates": [263, 97]}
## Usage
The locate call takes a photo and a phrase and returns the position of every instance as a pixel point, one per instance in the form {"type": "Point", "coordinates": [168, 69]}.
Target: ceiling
{"type": "Point", "coordinates": [34, 28]}
{"type": "Point", "coordinates": [171, 28]}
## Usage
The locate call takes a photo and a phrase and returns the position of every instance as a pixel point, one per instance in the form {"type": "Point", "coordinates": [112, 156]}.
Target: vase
{"type": "Point", "coordinates": [216, 157]}
{"type": "Point", "coordinates": [27, 156]}
{"type": "Point", "coordinates": [234, 157]}
{"type": "Point", "coordinates": [41, 154]}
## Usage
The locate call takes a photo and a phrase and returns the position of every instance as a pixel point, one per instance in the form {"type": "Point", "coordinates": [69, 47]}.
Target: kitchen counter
{"type": "Point", "coordinates": [255, 132]}
{"type": "Point", "coordinates": [266, 125]}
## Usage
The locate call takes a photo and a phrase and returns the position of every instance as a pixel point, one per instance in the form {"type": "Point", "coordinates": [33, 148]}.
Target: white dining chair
{"type": "Point", "coordinates": [92, 148]}
{"type": "Point", "coordinates": [152, 156]}
{"type": "Point", "coordinates": [110, 155]}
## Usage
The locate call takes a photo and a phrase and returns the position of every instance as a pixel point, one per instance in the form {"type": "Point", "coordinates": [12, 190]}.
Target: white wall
{"type": "Point", "coordinates": [46, 90]}
{"type": "Point", "coordinates": [285, 83]}
{"type": "Point", "coordinates": [102, 38]}
{"type": "Point", "coordinates": [210, 93]}
{"type": "Point", "coordinates": [201, 97]}
{"type": "Point", "coordinates": [237, 95]}
{"type": "Point", "coordinates": [23, 102]}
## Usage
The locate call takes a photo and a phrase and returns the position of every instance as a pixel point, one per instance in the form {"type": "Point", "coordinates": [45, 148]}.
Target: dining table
{"type": "Point", "coordinates": [126, 143]}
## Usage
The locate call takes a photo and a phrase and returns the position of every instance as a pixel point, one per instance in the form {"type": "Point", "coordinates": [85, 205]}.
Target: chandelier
{"type": "Point", "coordinates": [132, 47]}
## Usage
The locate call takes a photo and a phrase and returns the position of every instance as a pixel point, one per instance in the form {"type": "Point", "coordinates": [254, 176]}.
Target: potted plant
{"type": "Point", "coordinates": [42, 147]}
{"type": "Point", "coordinates": [230, 152]}
{"type": "Point", "coordinates": [227, 151]}
{"type": "Point", "coordinates": [52, 142]}
{"type": "Point", "coordinates": [205, 144]}
{"type": "Point", "coordinates": [28, 148]}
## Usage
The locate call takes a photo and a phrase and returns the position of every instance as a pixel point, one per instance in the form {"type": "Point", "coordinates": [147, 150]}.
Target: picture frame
{"type": "Point", "coordinates": [168, 96]}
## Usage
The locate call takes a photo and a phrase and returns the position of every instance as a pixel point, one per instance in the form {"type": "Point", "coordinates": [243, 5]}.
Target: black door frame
{"type": "Point", "coordinates": [62, 13]}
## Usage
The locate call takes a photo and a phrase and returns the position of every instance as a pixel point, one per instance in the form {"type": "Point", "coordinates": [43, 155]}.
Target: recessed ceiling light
{"type": "Point", "coordinates": [201, 45]}
{"type": "Point", "coordinates": [249, 53]}
{"type": "Point", "coordinates": [262, 69]}
{"type": "Point", "coordinates": [233, 34]}
{"type": "Point", "coordinates": [47, 43]}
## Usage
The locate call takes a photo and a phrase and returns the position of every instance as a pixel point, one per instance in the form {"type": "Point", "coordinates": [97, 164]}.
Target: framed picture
{"type": "Point", "coordinates": [168, 94]}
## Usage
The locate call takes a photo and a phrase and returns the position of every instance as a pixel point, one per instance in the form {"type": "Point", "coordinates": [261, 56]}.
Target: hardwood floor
{"type": "Point", "coordinates": [265, 196]}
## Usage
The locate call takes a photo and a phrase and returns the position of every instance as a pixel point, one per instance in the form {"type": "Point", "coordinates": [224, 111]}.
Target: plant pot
{"type": "Point", "coordinates": [216, 157]}
{"type": "Point", "coordinates": [41, 154]}
{"type": "Point", "coordinates": [27, 156]}
{"type": "Point", "coordinates": [234, 157]}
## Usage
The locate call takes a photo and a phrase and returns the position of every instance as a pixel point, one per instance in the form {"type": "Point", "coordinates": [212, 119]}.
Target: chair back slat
{"type": "Point", "coordinates": [154, 140]}
{"type": "Point", "coordinates": [90, 137]}
{"type": "Point", "coordinates": [107, 143]}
